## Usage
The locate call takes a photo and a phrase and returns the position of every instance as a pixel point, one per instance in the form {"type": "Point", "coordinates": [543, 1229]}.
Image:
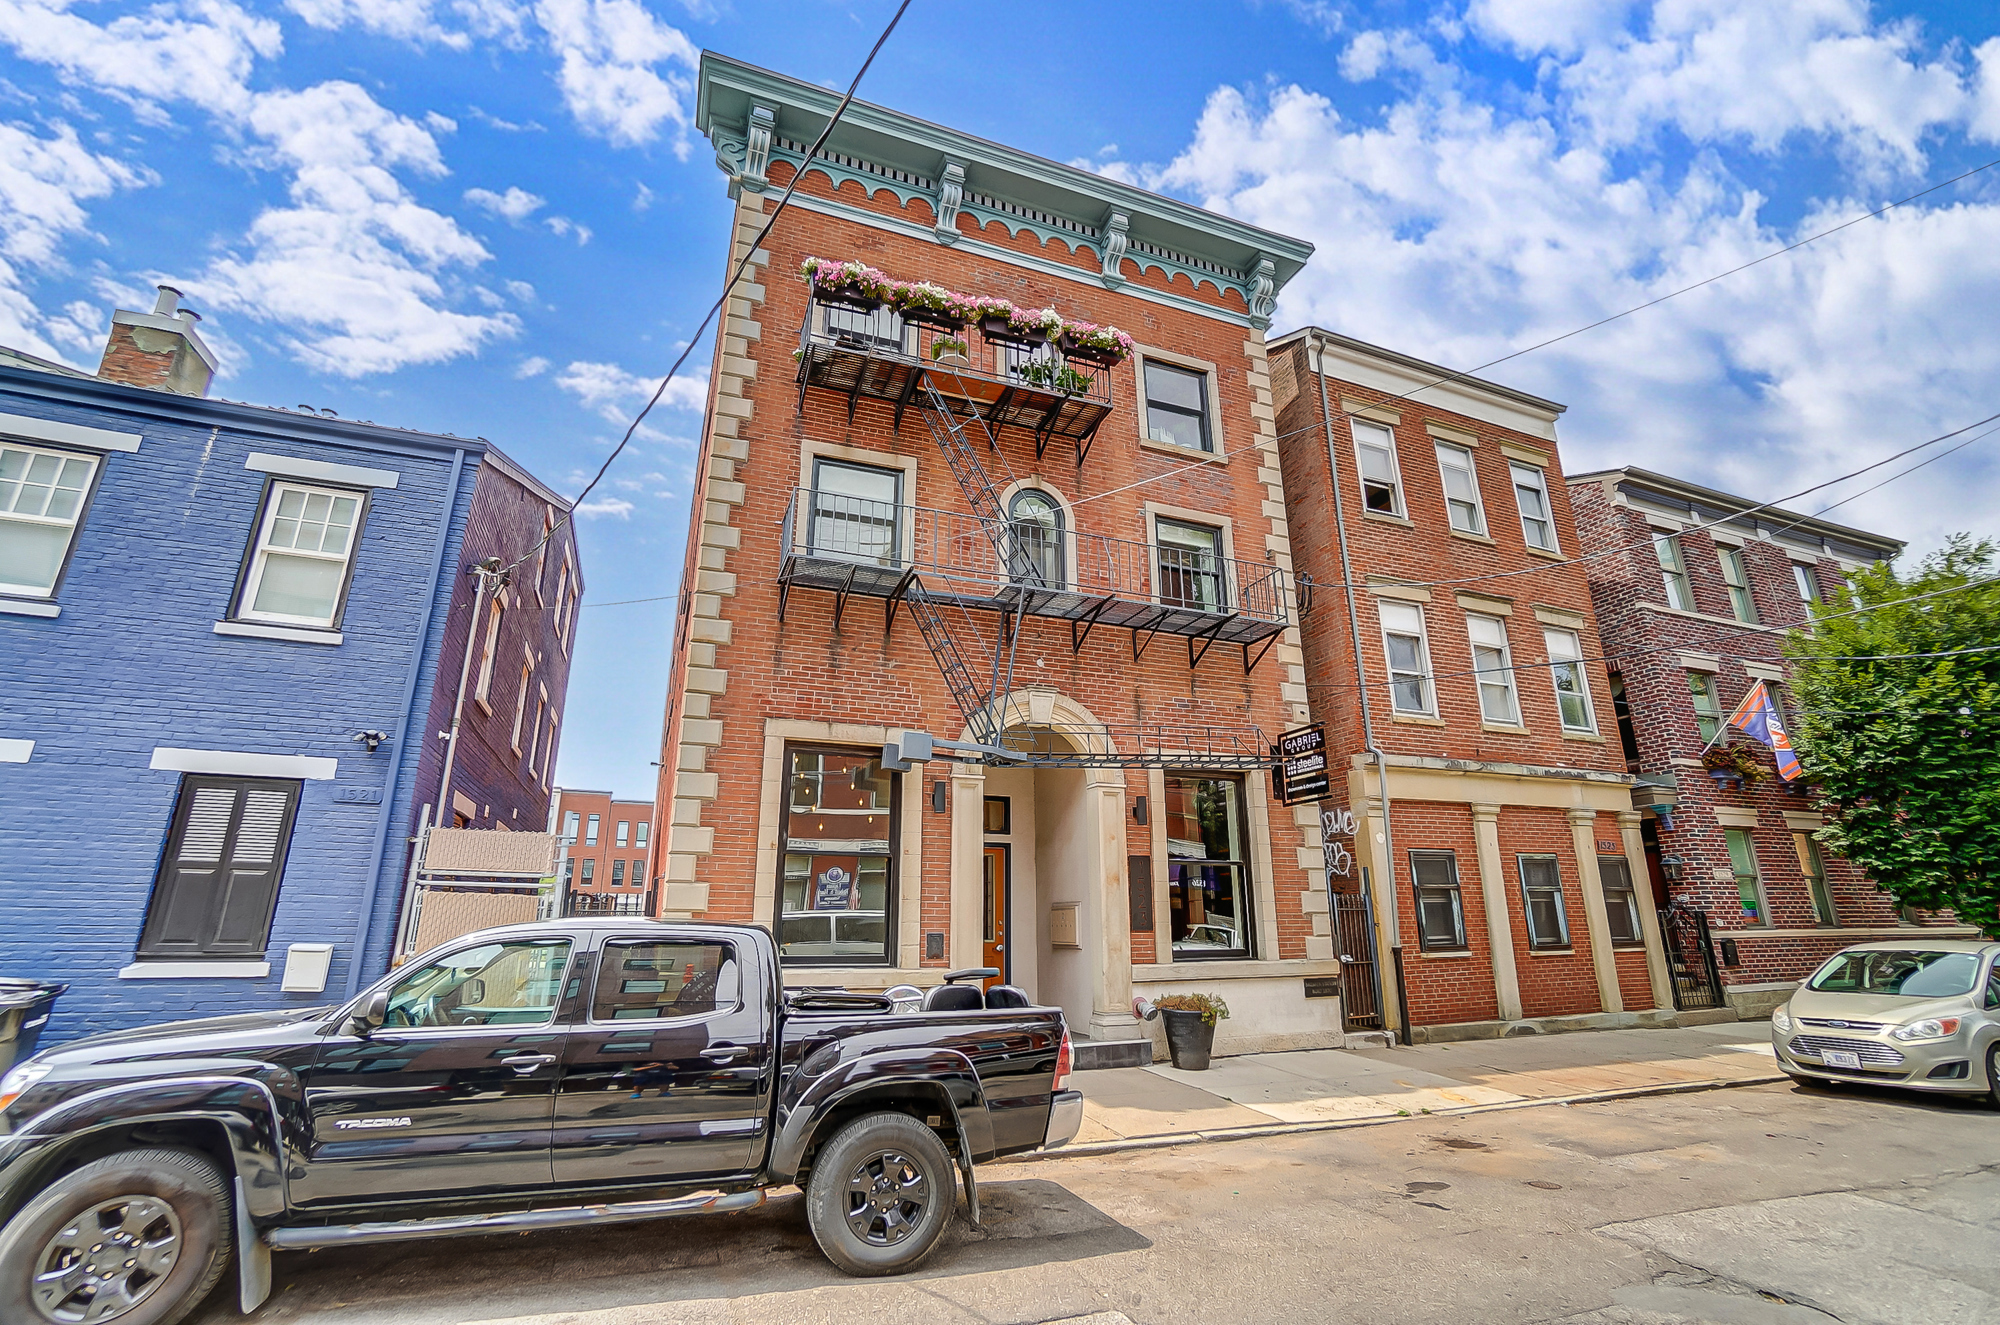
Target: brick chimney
{"type": "Point", "coordinates": [159, 349]}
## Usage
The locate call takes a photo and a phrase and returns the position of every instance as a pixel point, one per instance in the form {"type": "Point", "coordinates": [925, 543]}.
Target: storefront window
{"type": "Point", "coordinates": [837, 891]}
{"type": "Point", "coordinates": [1207, 867]}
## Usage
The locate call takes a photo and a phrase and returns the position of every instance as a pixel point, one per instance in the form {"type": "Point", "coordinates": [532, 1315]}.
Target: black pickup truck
{"type": "Point", "coordinates": [537, 1076]}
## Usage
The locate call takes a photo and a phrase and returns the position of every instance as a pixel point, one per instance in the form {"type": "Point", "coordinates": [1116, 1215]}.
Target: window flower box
{"type": "Point", "coordinates": [1732, 766]}
{"type": "Point", "coordinates": [1086, 342]}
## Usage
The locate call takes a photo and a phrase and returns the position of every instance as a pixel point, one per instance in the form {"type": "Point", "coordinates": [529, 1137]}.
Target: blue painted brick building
{"type": "Point", "coordinates": [203, 607]}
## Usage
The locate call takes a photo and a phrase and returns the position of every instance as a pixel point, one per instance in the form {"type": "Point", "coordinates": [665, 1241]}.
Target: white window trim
{"type": "Point", "coordinates": [521, 702]}
{"type": "Point", "coordinates": [1439, 447]}
{"type": "Point", "coordinates": [321, 471]}
{"type": "Point", "coordinates": [1480, 676]}
{"type": "Point", "coordinates": [243, 763]}
{"type": "Point", "coordinates": [1423, 648]}
{"type": "Point", "coordinates": [67, 434]}
{"type": "Point", "coordinates": [1672, 542]}
{"type": "Point", "coordinates": [33, 596]}
{"type": "Point", "coordinates": [297, 634]}
{"type": "Point", "coordinates": [14, 750]}
{"type": "Point", "coordinates": [1036, 483]}
{"type": "Point", "coordinates": [260, 557]}
{"type": "Point", "coordinates": [1401, 510]}
{"type": "Point", "coordinates": [223, 970]}
{"type": "Point", "coordinates": [1727, 556]}
{"type": "Point", "coordinates": [1583, 677]}
{"type": "Point", "coordinates": [1218, 445]}
{"type": "Point", "coordinates": [489, 650]}
{"type": "Point", "coordinates": [1541, 484]}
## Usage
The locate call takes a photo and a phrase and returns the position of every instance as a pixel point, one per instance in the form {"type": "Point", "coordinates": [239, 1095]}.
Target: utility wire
{"type": "Point", "coordinates": [749, 254]}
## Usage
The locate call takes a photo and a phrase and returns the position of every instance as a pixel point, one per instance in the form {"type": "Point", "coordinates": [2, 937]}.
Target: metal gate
{"type": "Point", "coordinates": [1354, 941]}
{"type": "Point", "coordinates": [1690, 957]}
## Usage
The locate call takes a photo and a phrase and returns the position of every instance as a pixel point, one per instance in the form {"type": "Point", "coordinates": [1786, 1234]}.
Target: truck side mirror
{"type": "Point", "coordinates": [370, 1015]}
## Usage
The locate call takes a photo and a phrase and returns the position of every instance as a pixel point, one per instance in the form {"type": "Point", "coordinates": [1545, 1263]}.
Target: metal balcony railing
{"type": "Point", "coordinates": [853, 545]}
{"type": "Point", "coordinates": [878, 354]}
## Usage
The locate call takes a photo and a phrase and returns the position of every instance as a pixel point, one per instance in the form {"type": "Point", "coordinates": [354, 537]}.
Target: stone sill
{"type": "Point", "coordinates": [1552, 952]}
{"type": "Point", "coordinates": [29, 607]}
{"type": "Point", "coordinates": [1184, 452]}
{"type": "Point", "coordinates": [1470, 537]}
{"type": "Point", "coordinates": [1591, 737]}
{"type": "Point", "coordinates": [195, 971]}
{"type": "Point", "coordinates": [1235, 969]}
{"type": "Point", "coordinates": [1504, 729]}
{"type": "Point", "coordinates": [1454, 956]}
{"type": "Point", "coordinates": [1550, 554]}
{"type": "Point", "coordinates": [1383, 517]}
{"type": "Point", "coordinates": [296, 634]}
{"type": "Point", "coordinates": [1416, 719]}
{"type": "Point", "coordinates": [1727, 621]}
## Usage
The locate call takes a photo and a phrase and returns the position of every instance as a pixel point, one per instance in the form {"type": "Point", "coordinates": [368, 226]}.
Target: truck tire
{"type": "Point", "coordinates": [150, 1228]}
{"type": "Point", "coordinates": [881, 1193]}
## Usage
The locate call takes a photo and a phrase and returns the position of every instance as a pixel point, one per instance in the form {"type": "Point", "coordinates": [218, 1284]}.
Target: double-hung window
{"type": "Point", "coordinates": [1812, 867]}
{"type": "Point", "coordinates": [1208, 873]}
{"type": "Point", "coordinates": [1542, 901]}
{"type": "Point", "coordinates": [1461, 489]}
{"type": "Point", "coordinates": [1737, 577]}
{"type": "Point", "coordinates": [624, 833]}
{"type": "Point", "coordinates": [1673, 574]}
{"type": "Point", "coordinates": [1408, 655]}
{"type": "Point", "coordinates": [1440, 909]}
{"type": "Point", "coordinates": [218, 878]}
{"type": "Point", "coordinates": [589, 870]}
{"type": "Point", "coordinates": [1572, 686]}
{"type": "Point", "coordinates": [1707, 706]}
{"type": "Point", "coordinates": [640, 830]}
{"type": "Point", "coordinates": [1036, 523]}
{"type": "Point", "coordinates": [1375, 458]}
{"type": "Point", "coordinates": [617, 874]}
{"type": "Point", "coordinates": [590, 832]}
{"type": "Point", "coordinates": [521, 705]}
{"type": "Point", "coordinates": [41, 500]}
{"type": "Point", "coordinates": [1531, 495]}
{"type": "Point", "coordinates": [1749, 880]}
{"type": "Point", "coordinates": [1177, 406]}
{"type": "Point", "coordinates": [305, 548]}
{"type": "Point", "coordinates": [482, 689]}
{"type": "Point", "coordinates": [856, 513]}
{"type": "Point", "coordinates": [1190, 562]}
{"type": "Point", "coordinates": [1621, 902]}
{"type": "Point", "coordinates": [1493, 665]}
{"type": "Point", "coordinates": [1807, 580]}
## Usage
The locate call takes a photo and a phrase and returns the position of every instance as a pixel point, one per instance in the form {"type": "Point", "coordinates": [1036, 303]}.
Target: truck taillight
{"type": "Point", "coordinates": [1063, 1060]}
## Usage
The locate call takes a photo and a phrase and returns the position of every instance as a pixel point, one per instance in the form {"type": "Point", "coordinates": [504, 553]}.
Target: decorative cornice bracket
{"type": "Point", "coordinates": [757, 147]}
{"type": "Point", "coordinates": [1113, 231]}
{"type": "Point", "coordinates": [950, 197]}
{"type": "Point", "coordinates": [1263, 292]}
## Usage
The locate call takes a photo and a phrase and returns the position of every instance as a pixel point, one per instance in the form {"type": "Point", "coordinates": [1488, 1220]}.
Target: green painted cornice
{"type": "Point", "coordinates": [754, 116]}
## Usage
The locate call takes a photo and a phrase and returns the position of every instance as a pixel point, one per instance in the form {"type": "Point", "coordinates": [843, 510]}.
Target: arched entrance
{"type": "Point", "coordinates": [1052, 840]}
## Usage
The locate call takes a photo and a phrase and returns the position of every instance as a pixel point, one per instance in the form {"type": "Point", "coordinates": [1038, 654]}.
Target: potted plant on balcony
{"type": "Point", "coordinates": [1052, 376]}
{"type": "Point", "coordinates": [1732, 766]}
{"type": "Point", "coordinates": [931, 305]}
{"type": "Point", "coordinates": [951, 352]}
{"type": "Point", "coordinates": [850, 284]}
{"type": "Point", "coordinates": [1190, 1021]}
{"type": "Point", "coordinates": [1107, 347]}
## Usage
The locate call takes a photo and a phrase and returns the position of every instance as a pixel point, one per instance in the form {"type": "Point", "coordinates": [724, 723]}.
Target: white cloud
{"type": "Point", "coordinates": [522, 291]}
{"type": "Point", "coordinates": [616, 395]}
{"type": "Point", "coordinates": [643, 199]}
{"type": "Point", "coordinates": [515, 205]}
{"type": "Point", "coordinates": [44, 184]}
{"type": "Point", "coordinates": [1459, 231]}
{"type": "Point", "coordinates": [610, 53]}
{"type": "Point", "coordinates": [614, 506]}
{"type": "Point", "coordinates": [563, 226]}
{"type": "Point", "coordinates": [200, 50]}
{"type": "Point", "coordinates": [419, 22]}
{"type": "Point", "coordinates": [533, 366]}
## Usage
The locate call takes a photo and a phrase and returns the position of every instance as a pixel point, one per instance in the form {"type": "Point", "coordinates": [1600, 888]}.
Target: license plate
{"type": "Point", "coordinates": [1841, 1058]}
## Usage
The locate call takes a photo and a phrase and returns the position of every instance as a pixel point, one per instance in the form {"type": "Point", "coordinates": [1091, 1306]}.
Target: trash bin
{"type": "Point", "coordinates": [24, 1010]}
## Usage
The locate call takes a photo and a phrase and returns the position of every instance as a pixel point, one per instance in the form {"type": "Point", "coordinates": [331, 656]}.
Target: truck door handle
{"type": "Point", "coordinates": [526, 1063]}
{"type": "Point", "coordinates": [724, 1053]}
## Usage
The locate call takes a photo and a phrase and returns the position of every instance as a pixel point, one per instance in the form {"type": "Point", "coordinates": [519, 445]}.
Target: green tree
{"type": "Point", "coordinates": [1906, 751]}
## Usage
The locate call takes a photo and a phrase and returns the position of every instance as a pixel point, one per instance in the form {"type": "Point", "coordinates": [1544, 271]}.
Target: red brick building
{"type": "Point", "coordinates": [1692, 617]}
{"type": "Point", "coordinates": [607, 848]}
{"type": "Point", "coordinates": [1084, 561]}
{"type": "Point", "coordinates": [1452, 633]}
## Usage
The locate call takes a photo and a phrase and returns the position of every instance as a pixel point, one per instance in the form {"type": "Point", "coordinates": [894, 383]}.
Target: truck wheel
{"type": "Point", "coordinates": [138, 1238]}
{"type": "Point", "coordinates": [880, 1194]}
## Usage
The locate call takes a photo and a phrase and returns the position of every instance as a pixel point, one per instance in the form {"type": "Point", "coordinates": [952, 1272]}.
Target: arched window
{"type": "Point", "coordinates": [1038, 538]}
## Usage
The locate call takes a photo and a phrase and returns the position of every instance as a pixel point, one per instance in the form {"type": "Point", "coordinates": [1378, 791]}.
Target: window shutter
{"type": "Point", "coordinates": [218, 880]}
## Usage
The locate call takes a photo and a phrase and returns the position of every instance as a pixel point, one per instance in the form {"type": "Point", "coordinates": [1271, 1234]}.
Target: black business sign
{"type": "Point", "coordinates": [1301, 774]}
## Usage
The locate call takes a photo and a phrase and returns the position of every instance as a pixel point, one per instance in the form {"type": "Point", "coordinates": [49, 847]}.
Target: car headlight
{"type": "Point", "coordinates": [1781, 1021]}
{"type": "Point", "coordinates": [16, 1082]}
{"type": "Point", "coordinates": [1930, 1028]}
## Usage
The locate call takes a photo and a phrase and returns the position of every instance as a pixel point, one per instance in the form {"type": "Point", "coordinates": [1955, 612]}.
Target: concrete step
{"type": "Point", "coordinates": [1091, 1055]}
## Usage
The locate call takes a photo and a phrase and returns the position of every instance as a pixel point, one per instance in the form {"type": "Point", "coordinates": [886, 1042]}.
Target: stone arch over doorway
{"type": "Point", "coordinates": [1067, 849]}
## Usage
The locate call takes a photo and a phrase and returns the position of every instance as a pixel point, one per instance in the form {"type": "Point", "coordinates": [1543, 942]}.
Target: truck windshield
{"type": "Point", "coordinates": [1910, 973]}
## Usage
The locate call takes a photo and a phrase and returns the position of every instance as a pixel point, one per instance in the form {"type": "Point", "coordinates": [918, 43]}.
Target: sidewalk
{"type": "Point", "coordinates": [1150, 1105]}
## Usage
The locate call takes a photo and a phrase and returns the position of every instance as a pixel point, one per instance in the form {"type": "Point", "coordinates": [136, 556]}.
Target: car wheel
{"type": "Point", "coordinates": [1993, 1073]}
{"type": "Point", "coordinates": [880, 1194]}
{"type": "Point", "coordinates": [136, 1238]}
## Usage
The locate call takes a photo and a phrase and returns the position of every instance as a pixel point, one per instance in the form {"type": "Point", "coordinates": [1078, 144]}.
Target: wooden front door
{"type": "Point", "coordinates": [994, 914]}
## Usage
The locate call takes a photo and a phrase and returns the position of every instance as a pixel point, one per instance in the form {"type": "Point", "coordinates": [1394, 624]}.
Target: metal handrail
{"type": "Point", "coordinates": [954, 548]}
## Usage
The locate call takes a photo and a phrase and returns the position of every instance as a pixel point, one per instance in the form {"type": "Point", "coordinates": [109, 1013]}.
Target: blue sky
{"type": "Point", "coordinates": [491, 217]}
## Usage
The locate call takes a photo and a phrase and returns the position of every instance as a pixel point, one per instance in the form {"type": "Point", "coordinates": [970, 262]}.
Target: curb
{"type": "Point", "coordinates": [1167, 1140]}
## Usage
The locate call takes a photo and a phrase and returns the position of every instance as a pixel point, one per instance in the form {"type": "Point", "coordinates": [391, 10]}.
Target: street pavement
{"type": "Point", "coordinates": [1335, 1085]}
{"type": "Point", "coordinates": [1758, 1205]}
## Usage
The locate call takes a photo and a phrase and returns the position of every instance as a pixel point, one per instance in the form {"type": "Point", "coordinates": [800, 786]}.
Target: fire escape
{"type": "Point", "coordinates": [966, 384]}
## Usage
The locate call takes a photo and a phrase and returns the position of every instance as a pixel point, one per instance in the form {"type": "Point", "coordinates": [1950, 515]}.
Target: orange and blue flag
{"type": "Point", "coordinates": [1758, 716]}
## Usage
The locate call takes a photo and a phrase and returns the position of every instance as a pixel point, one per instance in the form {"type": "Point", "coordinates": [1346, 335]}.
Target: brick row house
{"type": "Point", "coordinates": [913, 525]}
{"type": "Point", "coordinates": [607, 851]}
{"type": "Point", "coordinates": [1452, 652]}
{"type": "Point", "coordinates": [1694, 591]}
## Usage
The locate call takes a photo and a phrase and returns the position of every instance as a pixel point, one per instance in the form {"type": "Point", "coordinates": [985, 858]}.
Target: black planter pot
{"type": "Point", "coordinates": [1001, 332]}
{"type": "Point", "coordinates": [859, 303]}
{"type": "Point", "coordinates": [930, 317]}
{"type": "Point", "coordinates": [1725, 779]}
{"type": "Point", "coordinates": [1189, 1039]}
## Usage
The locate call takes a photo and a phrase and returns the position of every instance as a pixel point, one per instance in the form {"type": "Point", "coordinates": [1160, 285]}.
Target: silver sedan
{"type": "Point", "coordinates": [1905, 1012]}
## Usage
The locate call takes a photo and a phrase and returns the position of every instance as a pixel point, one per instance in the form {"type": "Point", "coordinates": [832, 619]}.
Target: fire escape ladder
{"type": "Point", "coordinates": [981, 494]}
{"type": "Point", "coordinates": [974, 705]}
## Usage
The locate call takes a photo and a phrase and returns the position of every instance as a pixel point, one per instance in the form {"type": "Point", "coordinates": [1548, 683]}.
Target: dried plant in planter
{"type": "Point", "coordinates": [1211, 1008]}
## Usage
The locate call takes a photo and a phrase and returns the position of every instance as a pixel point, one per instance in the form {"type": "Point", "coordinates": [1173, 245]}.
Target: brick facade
{"type": "Point", "coordinates": [1655, 648]}
{"type": "Point", "coordinates": [616, 863]}
{"type": "Point", "coordinates": [1531, 783]}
